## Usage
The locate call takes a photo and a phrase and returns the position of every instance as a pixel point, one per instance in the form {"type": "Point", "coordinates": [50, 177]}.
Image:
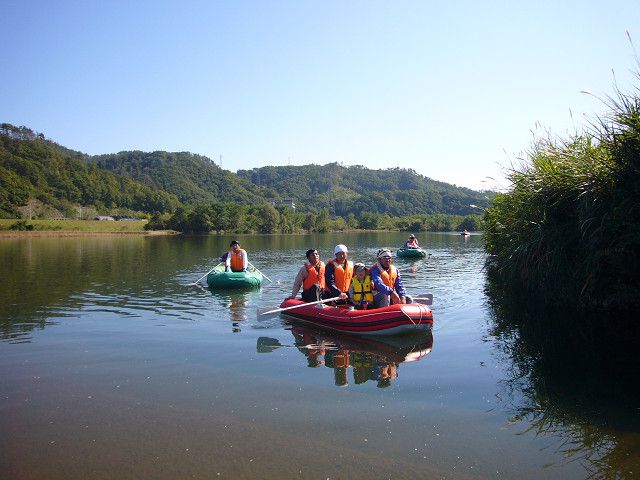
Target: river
{"type": "Point", "coordinates": [113, 366]}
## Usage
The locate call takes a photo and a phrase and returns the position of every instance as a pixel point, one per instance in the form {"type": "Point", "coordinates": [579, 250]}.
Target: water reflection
{"type": "Point", "coordinates": [568, 386]}
{"type": "Point", "coordinates": [375, 359]}
{"type": "Point", "coordinates": [236, 303]}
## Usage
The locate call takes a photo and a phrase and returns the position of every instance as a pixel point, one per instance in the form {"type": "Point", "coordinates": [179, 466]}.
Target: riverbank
{"type": "Point", "coordinates": [69, 228]}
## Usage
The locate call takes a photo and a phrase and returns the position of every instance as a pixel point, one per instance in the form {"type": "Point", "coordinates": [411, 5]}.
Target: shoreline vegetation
{"type": "Point", "coordinates": [65, 228]}
{"type": "Point", "coordinates": [190, 193]}
{"type": "Point", "coordinates": [569, 227]}
{"type": "Point", "coordinates": [39, 227]}
{"type": "Point", "coordinates": [564, 241]}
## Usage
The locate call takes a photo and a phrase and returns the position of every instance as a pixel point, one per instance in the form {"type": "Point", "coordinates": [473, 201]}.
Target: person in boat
{"type": "Point", "coordinates": [310, 277]}
{"type": "Point", "coordinates": [412, 242]}
{"type": "Point", "coordinates": [360, 292]}
{"type": "Point", "coordinates": [236, 260]}
{"type": "Point", "coordinates": [386, 281]}
{"type": "Point", "coordinates": [338, 274]}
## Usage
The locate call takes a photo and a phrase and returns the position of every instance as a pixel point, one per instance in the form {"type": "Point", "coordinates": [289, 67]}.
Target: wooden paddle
{"type": "Point", "coordinates": [278, 310]}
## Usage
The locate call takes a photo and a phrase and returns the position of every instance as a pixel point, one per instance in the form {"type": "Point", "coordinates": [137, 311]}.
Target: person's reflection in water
{"type": "Point", "coordinates": [364, 356]}
{"type": "Point", "coordinates": [387, 373]}
{"type": "Point", "coordinates": [340, 366]}
{"type": "Point", "coordinates": [237, 311]}
{"type": "Point", "coordinates": [315, 354]}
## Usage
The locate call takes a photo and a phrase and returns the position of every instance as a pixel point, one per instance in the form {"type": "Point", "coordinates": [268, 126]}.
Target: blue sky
{"type": "Point", "coordinates": [450, 89]}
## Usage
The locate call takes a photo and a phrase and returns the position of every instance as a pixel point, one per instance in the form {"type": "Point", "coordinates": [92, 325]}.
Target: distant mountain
{"type": "Point", "coordinates": [356, 189]}
{"type": "Point", "coordinates": [33, 168]}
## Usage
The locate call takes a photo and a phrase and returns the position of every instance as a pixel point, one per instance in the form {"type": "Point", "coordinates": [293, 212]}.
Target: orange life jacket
{"type": "Point", "coordinates": [313, 276]}
{"type": "Point", "coordinates": [237, 260]}
{"type": "Point", "coordinates": [388, 278]}
{"type": "Point", "coordinates": [342, 276]}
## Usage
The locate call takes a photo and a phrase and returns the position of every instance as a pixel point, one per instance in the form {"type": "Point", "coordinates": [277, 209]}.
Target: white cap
{"type": "Point", "coordinates": [340, 248]}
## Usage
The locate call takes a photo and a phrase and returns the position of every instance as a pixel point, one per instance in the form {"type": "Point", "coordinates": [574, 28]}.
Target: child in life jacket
{"type": "Point", "coordinates": [360, 294]}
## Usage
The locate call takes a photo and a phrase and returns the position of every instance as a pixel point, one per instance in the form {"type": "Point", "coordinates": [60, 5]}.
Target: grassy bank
{"type": "Point", "coordinates": [568, 231]}
{"type": "Point", "coordinates": [72, 226]}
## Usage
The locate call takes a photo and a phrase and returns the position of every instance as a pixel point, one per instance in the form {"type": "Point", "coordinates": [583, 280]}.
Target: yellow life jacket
{"type": "Point", "coordinates": [362, 290]}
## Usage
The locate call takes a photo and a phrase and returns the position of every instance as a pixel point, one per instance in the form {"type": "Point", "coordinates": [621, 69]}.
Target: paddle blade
{"type": "Point", "coordinates": [266, 313]}
{"type": "Point", "coordinates": [424, 299]}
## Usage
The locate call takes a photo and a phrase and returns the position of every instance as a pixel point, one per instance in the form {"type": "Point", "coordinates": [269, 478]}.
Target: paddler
{"type": "Point", "coordinates": [237, 260]}
{"type": "Point", "coordinates": [310, 277]}
{"type": "Point", "coordinates": [360, 292]}
{"type": "Point", "coordinates": [387, 282]}
{"type": "Point", "coordinates": [338, 274]}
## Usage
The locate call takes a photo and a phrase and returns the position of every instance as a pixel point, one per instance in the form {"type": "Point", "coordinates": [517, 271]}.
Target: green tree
{"type": "Point", "coordinates": [322, 221]}
{"type": "Point", "coordinates": [369, 220]}
{"type": "Point", "coordinates": [309, 223]}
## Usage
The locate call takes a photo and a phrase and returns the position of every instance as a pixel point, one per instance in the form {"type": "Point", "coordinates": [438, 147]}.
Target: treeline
{"type": "Point", "coordinates": [187, 190]}
{"type": "Point", "coordinates": [341, 190]}
{"type": "Point", "coordinates": [356, 189]}
{"type": "Point", "coordinates": [265, 218]}
{"type": "Point", "coordinates": [568, 231]}
{"type": "Point", "coordinates": [32, 167]}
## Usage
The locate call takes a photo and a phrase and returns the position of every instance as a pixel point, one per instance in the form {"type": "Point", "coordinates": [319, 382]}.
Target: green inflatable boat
{"type": "Point", "coordinates": [219, 279]}
{"type": "Point", "coordinates": [411, 253]}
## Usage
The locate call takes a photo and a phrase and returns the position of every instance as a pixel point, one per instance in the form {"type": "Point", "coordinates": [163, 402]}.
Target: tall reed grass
{"type": "Point", "coordinates": [567, 233]}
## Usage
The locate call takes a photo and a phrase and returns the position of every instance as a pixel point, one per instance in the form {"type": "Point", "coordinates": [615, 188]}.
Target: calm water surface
{"type": "Point", "coordinates": [112, 366]}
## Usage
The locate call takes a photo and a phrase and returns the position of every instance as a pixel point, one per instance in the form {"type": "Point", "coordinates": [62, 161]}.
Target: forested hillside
{"type": "Point", "coordinates": [343, 190]}
{"type": "Point", "coordinates": [33, 168]}
{"type": "Point", "coordinates": [192, 178]}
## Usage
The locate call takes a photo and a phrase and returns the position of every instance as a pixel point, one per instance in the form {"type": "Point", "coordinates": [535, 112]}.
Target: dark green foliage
{"type": "Point", "coordinates": [229, 217]}
{"type": "Point", "coordinates": [32, 167]}
{"type": "Point", "coordinates": [21, 225]}
{"type": "Point", "coordinates": [568, 231]}
{"type": "Point", "coordinates": [343, 190]}
{"type": "Point", "coordinates": [192, 178]}
{"type": "Point", "coordinates": [207, 198]}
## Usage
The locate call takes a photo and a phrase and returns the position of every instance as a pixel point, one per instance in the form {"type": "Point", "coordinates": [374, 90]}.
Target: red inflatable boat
{"type": "Point", "coordinates": [391, 320]}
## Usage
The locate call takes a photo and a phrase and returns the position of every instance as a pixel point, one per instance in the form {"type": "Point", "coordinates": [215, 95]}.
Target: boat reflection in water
{"type": "Point", "coordinates": [371, 358]}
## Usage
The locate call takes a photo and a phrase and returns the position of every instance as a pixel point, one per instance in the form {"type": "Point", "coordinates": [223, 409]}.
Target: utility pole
{"type": "Point", "coordinates": [220, 160]}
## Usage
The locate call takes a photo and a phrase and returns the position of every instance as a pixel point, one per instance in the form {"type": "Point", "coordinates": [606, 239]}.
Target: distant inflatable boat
{"type": "Point", "coordinates": [411, 253]}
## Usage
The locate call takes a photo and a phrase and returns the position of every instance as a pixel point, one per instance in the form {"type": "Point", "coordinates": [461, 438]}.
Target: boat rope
{"type": "Point", "coordinates": [409, 316]}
